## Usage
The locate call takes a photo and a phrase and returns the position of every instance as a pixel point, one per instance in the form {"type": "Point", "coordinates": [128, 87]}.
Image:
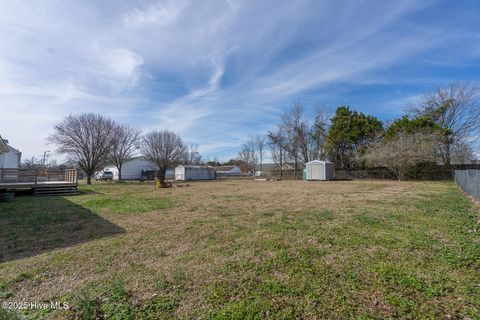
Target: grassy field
{"type": "Point", "coordinates": [245, 250]}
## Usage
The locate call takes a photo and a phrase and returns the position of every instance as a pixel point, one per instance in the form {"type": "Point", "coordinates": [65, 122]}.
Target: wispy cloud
{"type": "Point", "coordinates": [217, 71]}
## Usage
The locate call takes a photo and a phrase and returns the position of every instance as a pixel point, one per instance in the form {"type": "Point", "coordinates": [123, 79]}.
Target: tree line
{"type": "Point", "coordinates": [91, 140]}
{"type": "Point", "coordinates": [441, 127]}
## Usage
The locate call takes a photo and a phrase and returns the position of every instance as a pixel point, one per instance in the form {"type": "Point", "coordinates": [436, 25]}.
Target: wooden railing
{"type": "Point", "coordinates": [71, 175]}
{"type": "Point", "coordinates": [37, 175]}
{"type": "Point", "coordinates": [17, 176]}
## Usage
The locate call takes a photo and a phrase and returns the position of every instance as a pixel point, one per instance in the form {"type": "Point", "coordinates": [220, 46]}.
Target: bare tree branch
{"type": "Point", "coordinates": [455, 107]}
{"type": "Point", "coordinates": [85, 138]}
{"type": "Point", "coordinates": [248, 155]}
{"type": "Point", "coordinates": [403, 151]}
{"type": "Point", "coordinates": [192, 156]}
{"type": "Point", "coordinates": [124, 142]}
{"type": "Point", "coordinates": [165, 149]}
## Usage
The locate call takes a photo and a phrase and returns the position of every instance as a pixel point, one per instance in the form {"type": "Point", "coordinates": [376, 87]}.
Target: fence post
{"type": "Point", "coordinates": [465, 181]}
{"type": "Point", "coordinates": [476, 184]}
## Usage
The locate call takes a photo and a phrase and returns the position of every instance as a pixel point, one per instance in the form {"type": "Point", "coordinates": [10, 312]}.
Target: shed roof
{"type": "Point", "coordinates": [319, 161]}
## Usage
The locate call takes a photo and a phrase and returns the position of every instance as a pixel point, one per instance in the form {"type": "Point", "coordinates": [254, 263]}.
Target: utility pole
{"type": "Point", "coordinates": [45, 157]}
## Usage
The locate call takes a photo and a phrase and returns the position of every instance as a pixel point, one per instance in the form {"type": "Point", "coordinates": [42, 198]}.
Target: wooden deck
{"type": "Point", "coordinates": [12, 179]}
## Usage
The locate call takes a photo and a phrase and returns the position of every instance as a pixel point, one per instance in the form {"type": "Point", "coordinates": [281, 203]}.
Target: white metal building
{"type": "Point", "coordinates": [132, 168]}
{"type": "Point", "coordinates": [319, 170]}
{"type": "Point", "coordinates": [188, 172]}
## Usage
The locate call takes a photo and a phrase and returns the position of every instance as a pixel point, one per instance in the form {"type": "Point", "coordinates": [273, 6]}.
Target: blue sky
{"type": "Point", "coordinates": [218, 71]}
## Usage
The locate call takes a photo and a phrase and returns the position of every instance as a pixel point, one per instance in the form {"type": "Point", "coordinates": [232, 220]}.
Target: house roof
{"type": "Point", "coordinates": [12, 149]}
{"type": "Point", "coordinates": [194, 166]}
{"type": "Point", "coordinates": [3, 146]}
{"type": "Point", "coordinates": [223, 168]}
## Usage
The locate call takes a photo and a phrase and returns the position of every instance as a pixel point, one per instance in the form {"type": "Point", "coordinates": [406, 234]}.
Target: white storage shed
{"type": "Point", "coordinates": [188, 172]}
{"type": "Point", "coordinates": [319, 170]}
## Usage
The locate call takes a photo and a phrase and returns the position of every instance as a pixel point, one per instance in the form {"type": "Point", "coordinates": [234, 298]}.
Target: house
{"type": "Point", "coordinates": [319, 170]}
{"type": "Point", "coordinates": [132, 169]}
{"type": "Point", "coordinates": [189, 172]}
{"type": "Point", "coordinates": [9, 156]}
{"type": "Point", "coordinates": [228, 170]}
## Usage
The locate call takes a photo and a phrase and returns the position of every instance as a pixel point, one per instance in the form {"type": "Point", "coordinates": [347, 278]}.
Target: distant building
{"type": "Point", "coordinates": [228, 170]}
{"type": "Point", "coordinates": [132, 169]}
{"type": "Point", "coordinates": [189, 172]}
{"type": "Point", "coordinates": [9, 156]}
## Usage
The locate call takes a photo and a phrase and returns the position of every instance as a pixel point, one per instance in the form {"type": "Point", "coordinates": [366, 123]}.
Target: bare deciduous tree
{"type": "Point", "coordinates": [402, 152]}
{"type": "Point", "coordinates": [84, 138]}
{"type": "Point", "coordinates": [307, 136]}
{"type": "Point", "coordinates": [165, 149]}
{"type": "Point", "coordinates": [124, 142]}
{"type": "Point", "coordinates": [192, 156]}
{"type": "Point", "coordinates": [318, 133]}
{"type": "Point", "coordinates": [32, 163]}
{"type": "Point", "coordinates": [248, 155]}
{"type": "Point", "coordinates": [295, 132]}
{"type": "Point", "coordinates": [260, 143]}
{"type": "Point", "coordinates": [302, 139]}
{"type": "Point", "coordinates": [277, 142]}
{"type": "Point", "coordinates": [455, 107]}
{"type": "Point", "coordinates": [462, 152]}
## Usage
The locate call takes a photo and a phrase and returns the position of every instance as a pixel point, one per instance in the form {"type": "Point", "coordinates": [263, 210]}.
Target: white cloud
{"type": "Point", "coordinates": [214, 71]}
{"type": "Point", "coordinates": [156, 14]}
{"type": "Point", "coordinates": [124, 65]}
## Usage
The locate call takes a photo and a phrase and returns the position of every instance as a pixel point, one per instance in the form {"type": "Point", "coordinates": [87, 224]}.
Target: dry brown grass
{"type": "Point", "coordinates": [205, 249]}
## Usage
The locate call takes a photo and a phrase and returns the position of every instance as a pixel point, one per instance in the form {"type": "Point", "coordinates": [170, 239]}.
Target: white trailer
{"type": "Point", "coordinates": [188, 172]}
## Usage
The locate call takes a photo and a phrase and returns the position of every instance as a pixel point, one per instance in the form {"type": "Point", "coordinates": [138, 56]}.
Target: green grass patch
{"type": "Point", "coordinates": [397, 277]}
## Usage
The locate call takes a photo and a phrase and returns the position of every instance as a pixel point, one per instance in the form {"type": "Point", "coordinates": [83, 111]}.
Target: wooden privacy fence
{"type": "Point", "coordinates": [469, 181]}
{"type": "Point", "coordinates": [34, 176]}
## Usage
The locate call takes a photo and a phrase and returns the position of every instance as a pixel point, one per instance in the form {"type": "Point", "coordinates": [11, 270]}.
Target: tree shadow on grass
{"type": "Point", "coordinates": [33, 225]}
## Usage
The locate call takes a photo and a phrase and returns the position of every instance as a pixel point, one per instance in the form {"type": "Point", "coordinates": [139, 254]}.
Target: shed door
{"type": "Point", "coordinates": [321, 169]}
{"type": "Point", "coordinates": [316, 172]}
